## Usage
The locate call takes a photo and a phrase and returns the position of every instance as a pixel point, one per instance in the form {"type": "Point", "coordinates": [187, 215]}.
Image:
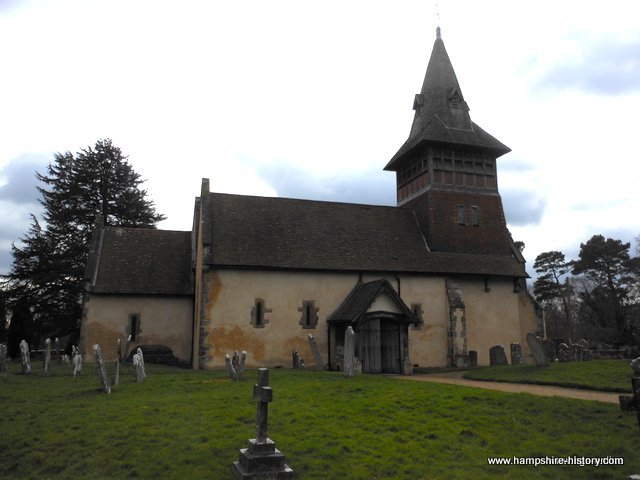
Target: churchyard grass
{"type": "Point", "coordinates": [606, 375]}
{"type": "Point", "coordinates": [183, 424]}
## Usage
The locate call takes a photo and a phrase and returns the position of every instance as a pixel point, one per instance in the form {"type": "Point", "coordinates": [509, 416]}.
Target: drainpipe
{"type": "Point", "coordinates": [398, 281]}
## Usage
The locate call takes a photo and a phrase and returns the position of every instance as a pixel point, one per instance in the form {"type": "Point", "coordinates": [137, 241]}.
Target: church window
{"type": "Point", "coordinates": [258, 314]}
{"type": "Point", "coordinates": [474, 215]}
{"type": "Point", "coordinates": [134, 327]}
{"type": "Point", "coordinates": [461, 219]}
{"type": "Point", "coordinates": [309, 314]}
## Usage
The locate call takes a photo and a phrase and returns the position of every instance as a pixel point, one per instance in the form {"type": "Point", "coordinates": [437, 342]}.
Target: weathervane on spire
{"type": "Point", "coordinates": [438, 18]}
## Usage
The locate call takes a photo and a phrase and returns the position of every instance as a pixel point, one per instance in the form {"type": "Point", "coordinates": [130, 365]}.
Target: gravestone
{"type": "Point", "coordinates": [576, 352]}
{"type": "Point", "coordinates": [138, 363]}
{"type": "Point", "coordinates": [46, 360]}
{"type": "Point", "coordinates": [564, 353]}
{"type": "Point", "coordinates": [233, 375]}
{"type": "Point", "coordinates": [632, 403]}
{"type": "Point", "coordinates": [238, 363]}
{"type": "Point", "coordinates": [537, 349]}
{"type": "Point", "coordinates": [77, 360]}
{"type": "Point", "coordinates": [3, 358]}
{"type": "Point", "coordinates": [261, 460]}
{"type": "Point", "coordinates": [57, 346]}
{"type": "Point", "coordinates": [516, 354]}
{"type": "Point", "coordinates": [473, 358]}
{"type": "Point", "coordinates": [497, 356]}
{"type": "Point", "coordinates": [116, 378]}
{"type": "Point", "coordinates": [296, 360]}
{"type": "Point", "coordinates": [316, 353]}
{"type": "Point", "coordinates": [102, 369]}
{"type": "Point", "coordinates": [349, 351]}
{"type": "Point", "coordinates": [25, 359]}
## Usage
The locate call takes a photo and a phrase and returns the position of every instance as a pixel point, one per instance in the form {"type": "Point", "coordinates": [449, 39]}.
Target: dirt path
{"type": "Point", "coordinates": [455, 378]}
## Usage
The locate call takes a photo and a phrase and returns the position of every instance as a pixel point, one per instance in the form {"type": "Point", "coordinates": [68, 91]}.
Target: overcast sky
{"type": "Point", "coordinates": [310, 99]}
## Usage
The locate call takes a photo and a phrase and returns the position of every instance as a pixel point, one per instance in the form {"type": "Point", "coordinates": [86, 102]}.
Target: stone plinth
{"type": "Point", "coordinates": [261, 460]}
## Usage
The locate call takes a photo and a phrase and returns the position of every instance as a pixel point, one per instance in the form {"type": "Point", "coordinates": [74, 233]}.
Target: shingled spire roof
{"type": "Point", "coordinates": [442, 114]}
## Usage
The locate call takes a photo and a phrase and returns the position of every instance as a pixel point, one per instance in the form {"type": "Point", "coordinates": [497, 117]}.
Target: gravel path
{"type": "Point", "coordinates": [455, 378]}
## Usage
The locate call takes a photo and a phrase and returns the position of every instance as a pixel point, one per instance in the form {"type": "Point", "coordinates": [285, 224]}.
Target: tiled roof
{"type": "Point", "coordinates": [140, 261]}
{"type": "Point", "coordinates": [282, 233]}
{"type": "Point", "coordinates": [360, 299]}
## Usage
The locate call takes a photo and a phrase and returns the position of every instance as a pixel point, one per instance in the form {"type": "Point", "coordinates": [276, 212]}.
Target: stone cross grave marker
{"type": "Point", "coordinates": [316, 353]}
{"type": "Point", "coordinates": [632, 403]}
{"type": "Point", "coordinates": [349, 351]}
{"type": "Point", "coordinates": [24, 357]}
{"type": "Point", "coordinates": [47, 357]}
{"type": "Point", "coordinates": [102, 369]}
{"type": "Point", "coordinates": [261, 460]}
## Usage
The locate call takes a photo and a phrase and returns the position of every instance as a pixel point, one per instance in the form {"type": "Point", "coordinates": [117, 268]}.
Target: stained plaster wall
{"type": "Point", "coordinates": [229, 296]}
{"type": "Point", "coordinates": [497, 317]}
{"type": "Point", "coordinates": [163, 321]}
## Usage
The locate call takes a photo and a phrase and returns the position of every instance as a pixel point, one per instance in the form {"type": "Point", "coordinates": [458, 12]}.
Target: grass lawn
{"type": "Point", "coordinates": [607, 375]}
{"type": "Point", "coordinates": [182, 424]}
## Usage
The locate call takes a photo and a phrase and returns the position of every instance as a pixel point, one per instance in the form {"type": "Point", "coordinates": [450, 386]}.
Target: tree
{"type": "Point", "coordinates": [549, 286]}
{"type": "Point", "coordinates": [607, 263]}
{"type": "Point", "coordinates": [48, 266]}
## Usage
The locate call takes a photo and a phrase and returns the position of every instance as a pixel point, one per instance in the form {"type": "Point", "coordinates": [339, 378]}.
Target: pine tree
{"type": "Point", "coordinates": [48, 267]}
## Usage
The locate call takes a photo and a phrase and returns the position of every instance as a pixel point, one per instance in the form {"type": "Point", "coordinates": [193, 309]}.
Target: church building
{"type": "Point", "coordinates": [434, 281]}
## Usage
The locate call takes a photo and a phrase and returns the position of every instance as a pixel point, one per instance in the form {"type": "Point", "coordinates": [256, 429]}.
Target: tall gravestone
{"type": "Point", "coordinates": [47, 357]}
{"type": "Point", "coordinates": [349, 351]}
{"type": "Point", "coordinates": [57, 347]}
{"type": "Point", "coordinates": [77, 360]}
{"type": "Point", "coordinates": [3, 358]}
{"type": "Point", "coordinates": [316, 352]}
{"type": "Point", "coordinates": [102, 369]}
{"type": "Point", "coordinates": [261, 460]}
{"type": "Point", "coordinates": [231, 371]}
{"type": "Point", "coordinates": [116, 378]}
{"type": "Point", "coordinates": [25, 359]}
{"type": "Point", "coordinates": [497, 356]}
{"type": "Point", "coordinates": [537, 350]}
{"type": "Point", "coordinates": [138, 364]}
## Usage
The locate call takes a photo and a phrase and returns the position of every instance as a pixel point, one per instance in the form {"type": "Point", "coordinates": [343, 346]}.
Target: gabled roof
{"type": "Point", "coordinates": [356, 304]}
{"type": "Point", "coordinates": [442, 114]}
{"type": "Point", "coordinates": [139, 261]}
{"type": "Point", "coordinates": [242, 231]}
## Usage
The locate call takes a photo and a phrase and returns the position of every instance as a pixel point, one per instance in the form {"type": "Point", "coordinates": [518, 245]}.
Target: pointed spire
{"type": "Point", "coordinates": [441, 94]}
{"type": "Point", "coordinates": [442, 114]}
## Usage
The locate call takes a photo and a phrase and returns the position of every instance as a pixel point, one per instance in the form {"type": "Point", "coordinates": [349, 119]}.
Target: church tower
{"type": "Point", "coordinates": [446, 170]}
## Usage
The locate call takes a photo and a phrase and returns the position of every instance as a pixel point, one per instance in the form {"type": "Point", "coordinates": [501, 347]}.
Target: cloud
{"type": "Point", "coordinates": [371, 188]}
{"type": "Point", "coordinates": [18, 200]}
{"type": "Point", "coordinates": [602, 67]}
{"type": "Point", "coordinates": [18, 179]}
{"type": "Point", "coordinates": [523, 207]}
